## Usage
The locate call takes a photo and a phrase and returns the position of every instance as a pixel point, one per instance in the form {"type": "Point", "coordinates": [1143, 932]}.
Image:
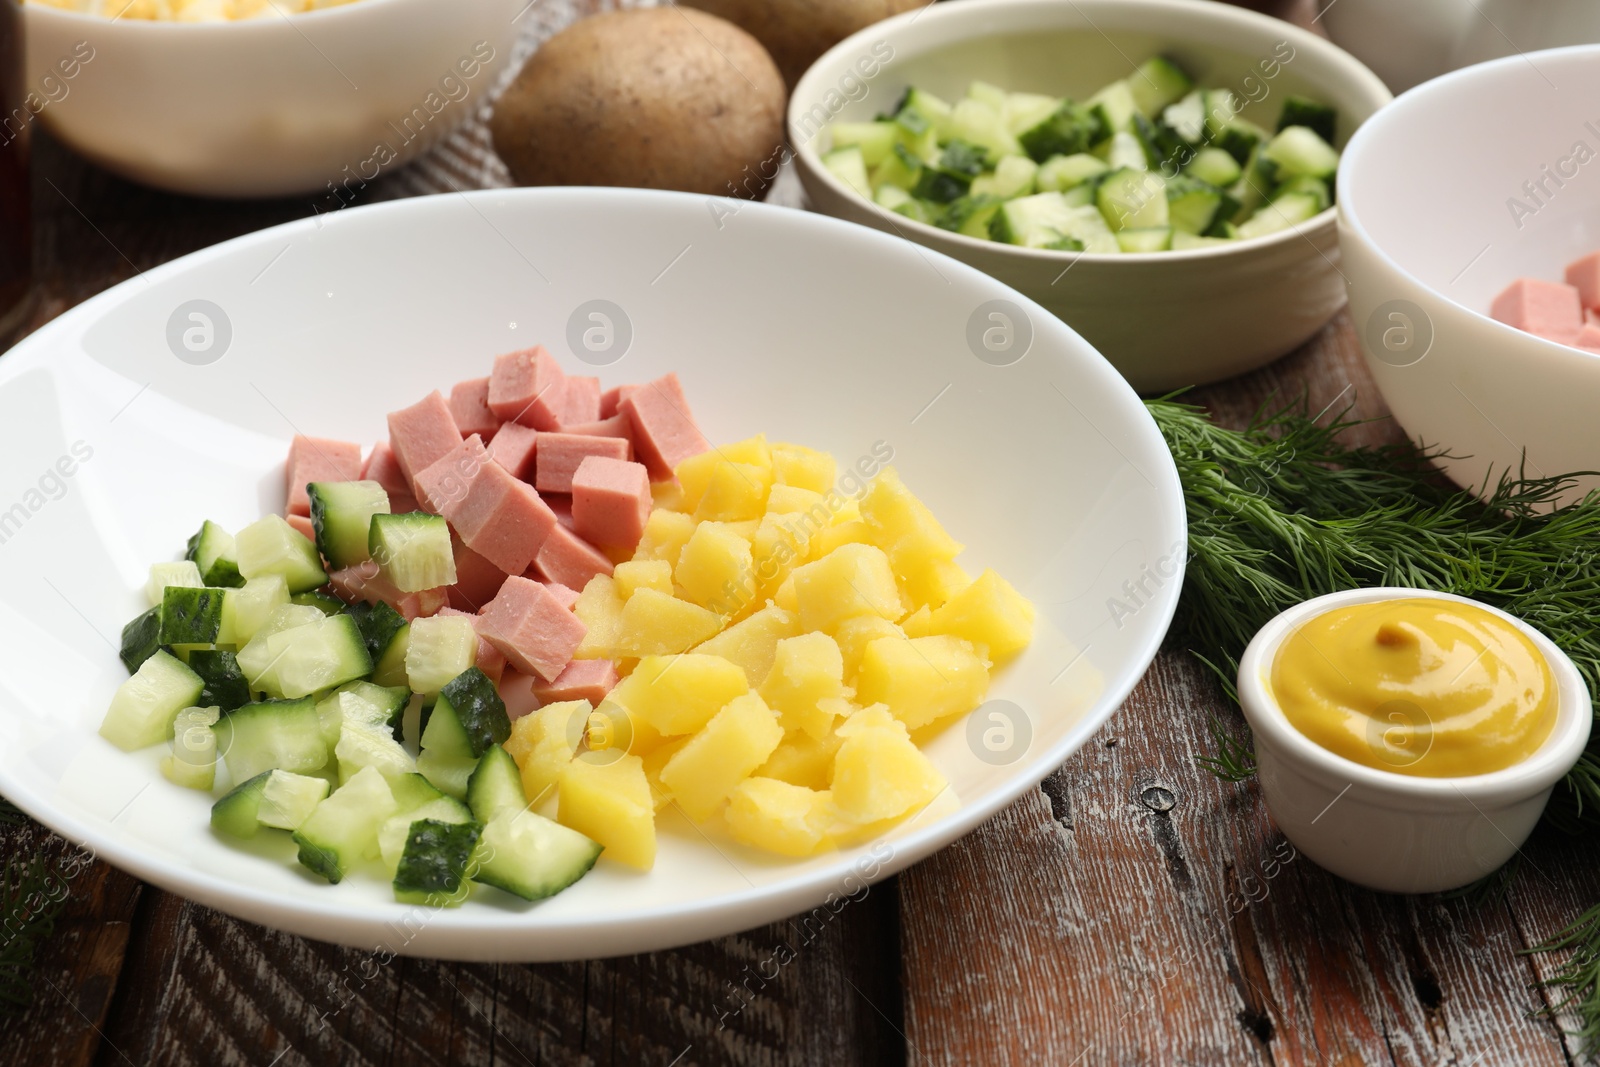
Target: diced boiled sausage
{"type": "Point", "coordinates": [515, 448]}
{"type": "Point", "coordinates": [569, 560]}
{"type": "Point", "coordinates": [560, 454]}
{"type": "Point", "coordinates": [469, 404]}
{"type": "Point", "coordinates": [528, 387]}
{"type": "Point", "coordinates": [531, 628]}
{"type": "Point", "coordinates": [1549, 309]}
{"type": "Point", "coordinates": [664, 432]}
{"type": "Point", "coordinates": [501, 518]}
{"type": "Point", "coordinates": [583, 401]}
{"type": "Point", "coordinates": [421, 434]}
{"type": "Point", "coordinates": [444, 482]}
{"type": "Point", "coordinates": [583, 679]}
{"type": "Point", "coordinates": [610, 501]}
{"type": "Point", "coordinates": [317, 459]}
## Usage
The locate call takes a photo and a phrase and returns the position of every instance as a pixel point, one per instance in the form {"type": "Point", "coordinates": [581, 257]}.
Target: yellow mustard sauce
{"type": "Point", "coordinates": [1434, 688]}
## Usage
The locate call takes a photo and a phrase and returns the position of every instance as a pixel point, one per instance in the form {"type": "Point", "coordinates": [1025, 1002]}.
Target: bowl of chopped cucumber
{"type": "Point", "coordinates": [1158, 173]}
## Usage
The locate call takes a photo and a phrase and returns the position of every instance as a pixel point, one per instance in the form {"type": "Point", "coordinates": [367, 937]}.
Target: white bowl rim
{"type": "Point", "coordinates": [1357, 143]}
{"type": "Point", "coordinates": [1547, 766]}
{"type": "Point", "coordinates": [230, 895]}
{"type": "Point", "coordinates": [808, 157]}
{"type": "Point", "coordinates": [33, 10]}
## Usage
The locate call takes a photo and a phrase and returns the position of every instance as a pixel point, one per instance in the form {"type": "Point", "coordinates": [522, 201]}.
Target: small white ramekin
{"type": "Point", "coordinates": [1390, 831]}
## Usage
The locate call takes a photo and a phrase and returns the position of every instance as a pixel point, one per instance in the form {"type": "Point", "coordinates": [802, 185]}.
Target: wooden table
{"type": "Point", "coordinates": [1133, 909]}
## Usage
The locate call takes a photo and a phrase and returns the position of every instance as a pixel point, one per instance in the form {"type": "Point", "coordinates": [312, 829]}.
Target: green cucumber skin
{"type": "Point", "coordinates": [141, 638]}
{"type": "Point", "coordinates": [236, 813]}
{"type": "Point", "coordinates": [477, 704]}
{"type": "Point", "coordinates": [495, 786]}
{"type": "Point", "coordinates": [436, 857]}
{"type": "Point", "coordinates": [225, 686]}
{"type": "Point", "coordinates": [190, 616]}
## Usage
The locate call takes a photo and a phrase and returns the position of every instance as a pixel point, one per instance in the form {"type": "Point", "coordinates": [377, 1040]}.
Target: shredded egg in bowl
{"type": "Point", "coordinates": [190, 10]}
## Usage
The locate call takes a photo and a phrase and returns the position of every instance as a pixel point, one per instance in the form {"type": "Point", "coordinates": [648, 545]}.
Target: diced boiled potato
{"type": "Point", "coordinates": [918, 622]}
{"type": "Point", "coordinates": [804, 468]}
{"type": "Point", "coordinates": [988, 612]}
{"type": "Point", "coordinates": [716, 568]}
{"type": "Point", "coordinates": [654, 623]}
{"type": "Point", "coordinates": [779, 817]}
{"type": "Point", "coordinates": [610, 803]}
{"type": "Point", "coordinates": [599, 608]}
{"type": "Point", "coordinates": [878, 773]}
{"type": "Point", "coordinates": [903, 524]}
{"type": "Point", "coordinates": [667, 495]}
{"type": "Point", "coordinates": [930, 581]}
{"type": "Point", "coordinates": [801, 759]}
{"type": "Point", "coordinates": [736, 741]}
{"type": "Point", "coordinates": [851, 580]}
{"type": "Point", "coordinates": [785, 596]}
{"type": "Point", "coordinates": [613, 729]}
{"type": "Point", "coordinates": [805, 670]}
{"type": "Point", "coordinates": [753, 642]}
{"type": "Point", "coordinates": [643, 574]}
{"type": "Point", "coordinates": [922, 679]}
{"type": "Point", "coordinates": [854, 532]}
{"type": "Point", "coordinates": [792, 499]}
{"type": "Point", "coordinates": [854, 635]}
{"type": "Point", "coordinates": [775, 551]}
{"type": "Point", "coordinates": [695, 473]}
{"type": "Point", "coordinates": [665, 533]}
{"type": "Point", "coordinates": [543, 743]}
{"type": "Point", "coordinates": [679, 694]}
{"type": "Point", "coordinates": [654, 762]}
{"type": "Point", "coordinates": [735, 492]}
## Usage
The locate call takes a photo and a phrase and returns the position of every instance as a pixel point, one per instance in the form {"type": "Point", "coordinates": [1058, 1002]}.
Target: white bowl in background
{"type": "Point", "coordinates": [1044, 463]}
{"type": "Point", "coordinates": [1164, 319]}
{"type": "Point", "coordinates": [1390, 831]}
{"type": "Point", "coordinates": [271, 106]}
{"type": "Point", "coordinates": [1430, 234]}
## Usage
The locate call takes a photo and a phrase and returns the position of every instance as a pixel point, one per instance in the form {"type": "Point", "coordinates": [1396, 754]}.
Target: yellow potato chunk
{"type": "Point", "coordinates": [679, 694]}
{"type": "Point", "coordinates": [806, 670]}
{"type": "Point", "coordinates": [851, 580]}
{"type": "Point", "coordinates": [542, 744]}
{"type": "Point", "coordinates": [931, 582]}
{"type": "Point", "coordinates": [667, 494]}
{"type": "Point", "coordinates": [600, 609]}
{"type": "Point", "coordinates": [716, 568]}
{"type": "Point", "coordinates": [916, 624]}
{"type": "Point", "coordinates": [854, 532]}
{"type": "Point", "coordinates": [922, 679]}
{"type": "Point", "coordinates": [791, 499]}
{"type": "Point", "coordinates": [611, 730]}
{"type": "Point", "coordinates": [695, 473]}
{"type": "Point", "coordinates": [801, 759]}
{"type": "Point", "coordinates": [654, 623]}
{"type": "Point", "coordinates": [854, 635]}
{"type": "Point", "coordinates": [903, 524]}
{"type": "Point", "coordinates": [779, 817]}
{"type": "Point", "coordinates": [804, 468]}
{"type": "Point", "coordinates": [878, 773]}
{"type": "Point", "coordinates": [736, 741]}
{"type": "Point", "coordinates": [734, 493]}
{"type": "Point", "coordinates": [665, 533]}
{"type": "Point", "coordinates": [643, 574]}
{"type": "Point", "coordinates": [785, 597]}
{"type": "Point", "coordinates": [654, 762]}
{"type": "Point", "coordinates": [753, 642]}
{"type": "Point", "coordinates": [775, 551]}
{"type": "Point", "coordinates": [610, 803]}
{"type": "Point", "coordinates": [988, 612]}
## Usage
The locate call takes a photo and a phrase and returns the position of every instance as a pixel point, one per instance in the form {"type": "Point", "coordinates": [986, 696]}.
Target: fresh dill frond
{"type": "Point", "coordinates": [1234, 761]}
{"type": "Point", "coordinates": [10, 814]}
{"type": "Point", "coordinates": [1492, 888]}
{"type": "Point", "coordinates": [32, 894]}
{"type": "Point", "coordinates": [1577, 981]}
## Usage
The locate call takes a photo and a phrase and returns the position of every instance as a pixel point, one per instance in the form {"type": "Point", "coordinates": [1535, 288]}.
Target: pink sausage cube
{"type": "Point", "coordinates": [469, 403]}
{"type": "Point", "coordinates": [302, 525]}
{"type": "Point", "coordinates": [561, 453]}
{"type": "Point", "coordinates": [561, 504]}
{"type": "Point", "coordinates": [365, 583]}
{"type": "Point", "coordinates": [582, 403]}
{"type": "Point", "coordinates": [382, 467]}
{"type": "Point", "coordinates": [567, 559]}
{"type": "Point", "coordinates": [444, 481]}
{"type": "Point", "coordinates": [613, 397]}
{"type": "Point", "coordinates": [615, 426]}
{"type": "Point", "coordinates": [489, 659]}
{"type": "Point", "coordinates": [1549, 309]}
{"type": "Point", "coordinates": [502, 519]}
{"type": "Point", "coordinates": [1588, 337]}
{"type": "Point", "coordinates": [317, 459]}
{"type": "Point", "coordinates": [528, 387]}
{"type": "Point", "coordinates": [477, 580]}
{"type": "Point", "coordinates": [421, 434]}
{"type": "Point", "coordinates": [569, 597]}
{"type": "Point", "coordinates": [610, 501]}
{"type": "Point", "coordinates": [531, 629]}
{"type": "Point", "coordinates": [1584, 276]}
{"type": "Point", "coordinates": [664, 433]}
{"type": "Point", "coordinates": [514, 448]}
{"type": "Point", "coordinates": [583, 679]}
{"type": "Point", "coordinates": [516, 689]}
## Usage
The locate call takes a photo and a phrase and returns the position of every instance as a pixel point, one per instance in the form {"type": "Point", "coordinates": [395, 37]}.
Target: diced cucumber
{"type": "Point", "coordinates": [951, 178]}
{"type": "Point", "coordinates": [1187, 118]}
{"type": "Point", "coordinates": [380, 624]}
{"type": "Point", "coordinates": [247, 608]}
{"type": "Point", "coordinates": [414, 549]}
{"type": "Point", "coordinates": [992, 95]}
{"type": "Point", "coordinates": [145, 706]}
{"type": "Point", "coordinates": [305, 659]}
{"type": "Point", "coordinates": [1251, 188]}
{"type": "Point", "coordinates": [1083, 196]}
{"type": "Point", "coordinates": [901, 170]}
{"type": "Point", "coordinates": [225, 685]}
{"type": "Point", "coordinates": [396, 829]}
{"type": "Point", "coordinates": [192, 763]}
{"type": "Point", "coordinates": [1314, 187]}
{"type": "Point", "coordinates": [140, 639]}
{"type": "Point", "coordinates": [1297, 150]}
{"type": "Point", "coordinates": [532, 857]}
{"type": "Point", "coordinates": [363, 745]}
{"type": "Point", "coordinates": [1192, 205]}
{"type": "Point", "coordinates": [1015, 176]}
{"type": "Point", "coordinates": [271, 546]}
{"type": "Point", "coordinates": [1319, 118]}
{"type": "Point", "coordinates": [411, 791]}
{"type": "Point", "coordinates": [1157, 83]}
{"type": "Point", "coordinates": [973, 217]}
{"type": "Point", "coordinates": [920, 110]}
{"type": "Point", "coordinates": [343, 830]}
{"type": "Point", "coordinates": [894, 198]}
{"type": "Point", "coordinates": [1069, 130]}
{"type": "Point", "coordinates": [190, 616]}
{"type": "Point", "coordinates": [1059, 173]}
{"type": "Point", "coordinates": [288, 799]}
{"type": "Point", "coordinates": [1220, 108]}
{"type": "Point", "coordinates": [362, 702]}
{"type": "Point", "coordinates": [182, 573]}
{"type": "Point", "coordinates": [1280, 214]}
{"type": "Point", "coordinates": [433, 868]}
{"type": "Point", "coordinates": [979, 124]}
{"type": "Point", "coordinates": [1117, 104]}
{"type": "Point", "coordinates": [1182, 242]}
{"type": "Point", "coordinates": [1031, 221]}
{"type": "Point", "coordinates": [496, 786]}
{"type": "Point", "coordinates": [215, 555]}
{"type": "Point", "coordinates": [449, 774]}
{"type": "Point", "coordinates": [1127, 153]}
{"type": "Point", "coordinates": [390, 669]}
{"type": "Point", "coordinates": [1163, 150]}
{"type": "Point", "coordinates": [439, 649]}
{"type": "Point", "coordinates": [875, 139]}
{"type": "Point", "coordinates": [1024, 111]}
{"type": "Point", "coordinates": [1240, 139]}
{"type": "Point", "coordinates": [1158, 239]}
{"type": "Point", "coordinates": [1214, 167]}
{"type": "Point", "coordinates": [272, 735]}
{"type": "Point", "coordinates": [445, 734]}
{"type": "Point", "coordinates": [849, 165]}
{"type": "Point", "coordinates": [238, 812]}
{"type": "Point", "coordinates": [1133, 200]}
{"type": "Point", "coordinates": [326, 603]}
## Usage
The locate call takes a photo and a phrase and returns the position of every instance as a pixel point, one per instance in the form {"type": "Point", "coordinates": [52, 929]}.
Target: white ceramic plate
{"type": "Point", "coordinates": [778, 321]}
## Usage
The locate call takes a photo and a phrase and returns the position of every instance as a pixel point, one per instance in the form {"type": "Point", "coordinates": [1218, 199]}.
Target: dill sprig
{"type": "Point", "coordinates": [32, 894]}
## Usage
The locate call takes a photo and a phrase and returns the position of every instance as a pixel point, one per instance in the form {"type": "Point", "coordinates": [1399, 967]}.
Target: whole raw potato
{"type": "Point", "coordinates": [660, 98]}
{"type": "Point", "coordinates": [796, 32]}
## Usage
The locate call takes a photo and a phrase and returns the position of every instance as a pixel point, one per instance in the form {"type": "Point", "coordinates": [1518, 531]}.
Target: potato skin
{"type": "Point", "coordinates": [657, 98]}
{"type": "Point", "coordinates": [796, 32]}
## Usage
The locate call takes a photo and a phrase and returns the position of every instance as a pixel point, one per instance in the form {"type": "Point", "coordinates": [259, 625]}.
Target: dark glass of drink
{"type": "Point", "coordinates": [16, 230]}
